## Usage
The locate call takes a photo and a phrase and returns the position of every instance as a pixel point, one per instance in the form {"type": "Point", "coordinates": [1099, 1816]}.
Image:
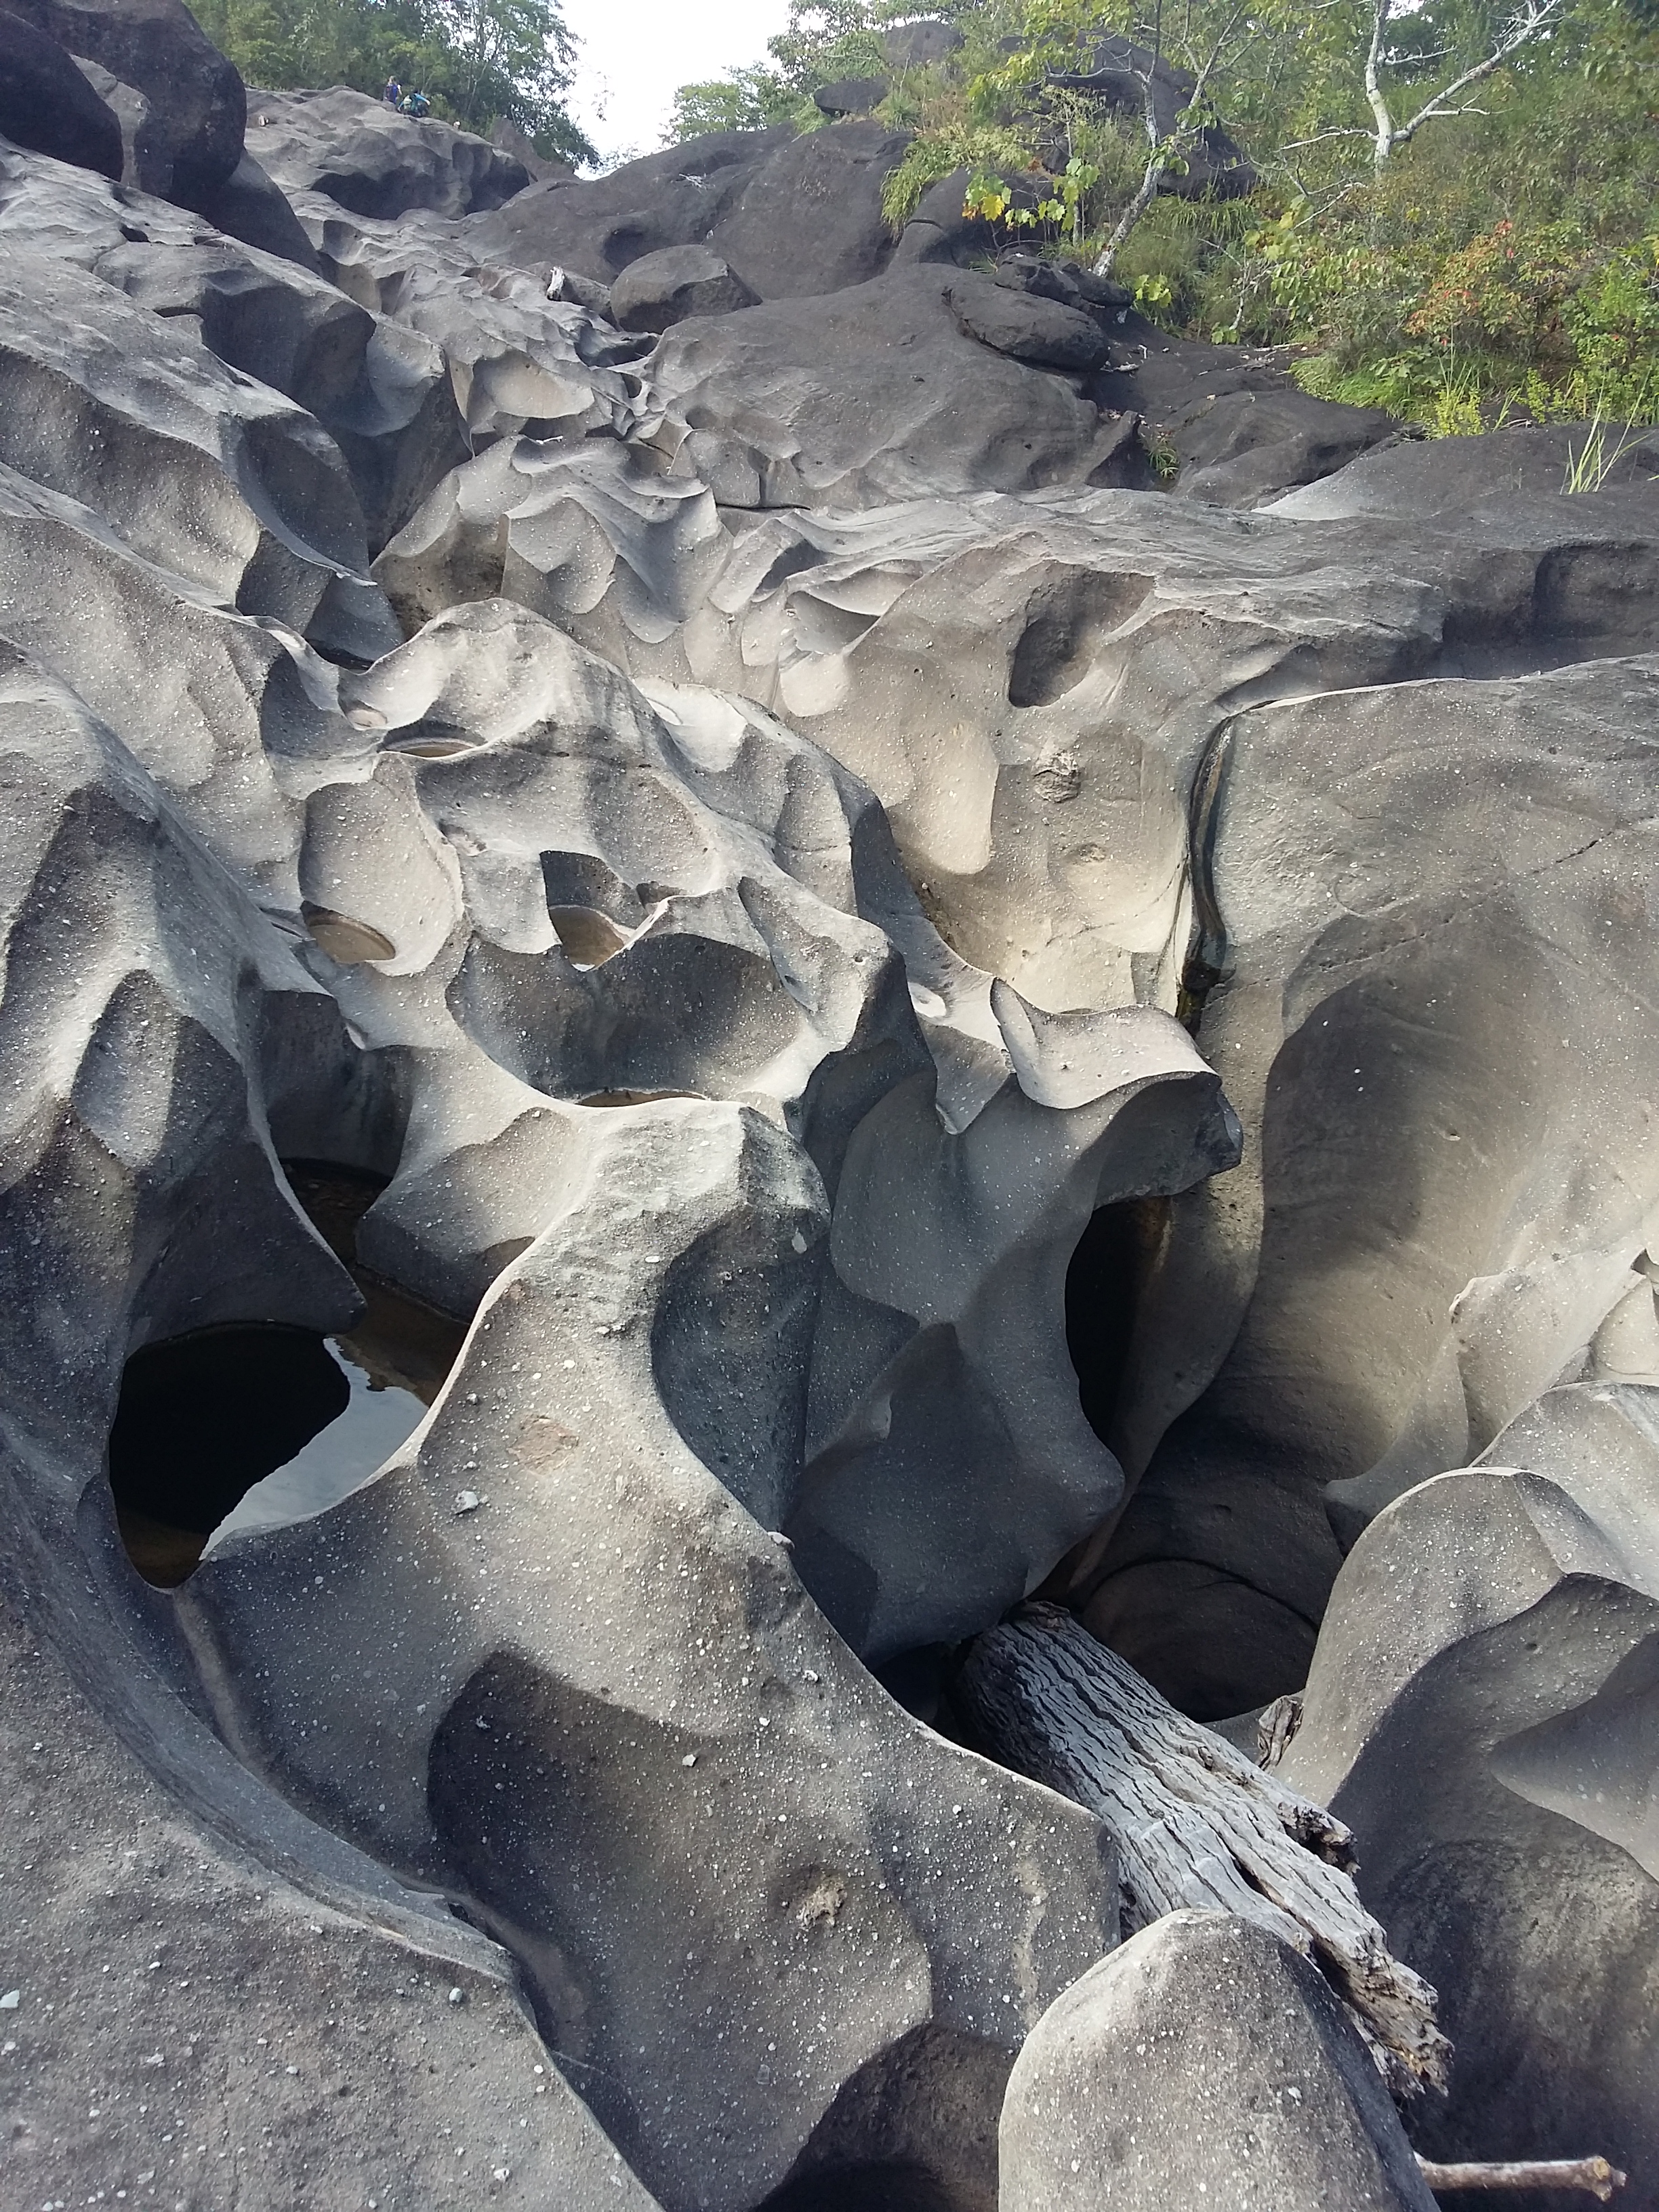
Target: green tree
{"type": "Point", "coordinates": [824, 40]}
{"type": "Point", "coordinates": [476, 60]}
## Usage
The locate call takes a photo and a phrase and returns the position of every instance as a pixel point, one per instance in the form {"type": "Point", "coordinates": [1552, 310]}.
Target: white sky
{"type": "Point", "coordinates": [635, 55]}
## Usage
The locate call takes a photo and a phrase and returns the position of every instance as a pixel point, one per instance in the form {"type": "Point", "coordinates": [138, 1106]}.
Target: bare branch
{"type": "Point", "coordinates": [1384, 136]}
{"type": "Point", "coordinates": [1348, 130]}
{"type": "Point", "coordinates": [1528, 22]}
{"type": "Point", "coordinates": [1594, 2175]}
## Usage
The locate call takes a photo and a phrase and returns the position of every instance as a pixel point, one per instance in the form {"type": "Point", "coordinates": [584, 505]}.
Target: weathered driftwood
{"type": "Point", "coordinates": [1594, 2174]}
{"type": "Point", "coordinates": [1195, 1823]}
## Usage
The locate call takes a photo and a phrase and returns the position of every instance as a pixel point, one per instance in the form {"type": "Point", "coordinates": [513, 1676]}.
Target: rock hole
{"type": "Point", "coordinates": [581, 884]}
{"type": "Point", "coordinates": [1108, 1269]}
{"type": "Point", "coordinates": [589, 937]}
{"type": "Point", "coordinates": [1066, 619]}
{"type": "Point", "coordinates": [896, 2187]}
{"type": "Point", "coordinates": [256, 1423]}
{"type": "Point", "coordinates": [913, 2130]}
{"type": "Point", "coordinates": [343, 940]}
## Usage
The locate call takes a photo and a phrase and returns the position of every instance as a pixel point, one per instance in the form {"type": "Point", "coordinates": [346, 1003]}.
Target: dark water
{"type": "Point", "coordinates": [254, 1424]}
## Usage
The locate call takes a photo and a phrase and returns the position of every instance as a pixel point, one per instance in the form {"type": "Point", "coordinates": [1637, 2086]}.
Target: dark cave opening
{"type": "Point", "coordinates": [204, 1418]}
{"type": "Point", "coordinates": [1103, 1283]}
{"type": "Point", "coordinates": [896, 2186]}
{"type": "Point", "coordinates": [200, 1420]}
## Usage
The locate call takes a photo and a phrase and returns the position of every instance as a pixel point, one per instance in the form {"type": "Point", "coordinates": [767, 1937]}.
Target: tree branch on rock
{"type": "Point", "coordinates": [1193, 1822]}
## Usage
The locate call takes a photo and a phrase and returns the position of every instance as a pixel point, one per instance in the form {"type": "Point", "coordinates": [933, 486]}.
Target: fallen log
{"type": "Point", "coordinates": [1193, 1822]}
{"type": "Point", "coordinates": [1594, 2174]}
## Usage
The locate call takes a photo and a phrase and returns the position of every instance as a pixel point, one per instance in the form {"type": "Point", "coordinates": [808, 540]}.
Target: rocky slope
{"type": "Point", "coordinates": [634, 820]}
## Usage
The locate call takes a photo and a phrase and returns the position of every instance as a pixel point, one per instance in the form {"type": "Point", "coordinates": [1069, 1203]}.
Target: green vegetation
{"type": "Point", "coordinates": [1455, 212]}
{"type": "Point", "coordinates": [475, 60]}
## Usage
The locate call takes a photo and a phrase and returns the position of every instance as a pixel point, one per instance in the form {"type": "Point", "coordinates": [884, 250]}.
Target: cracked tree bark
{"type": "Point", "coordinates": [1193, 1822]}
{"type": "Point", "coordinates": [1594, 2175]}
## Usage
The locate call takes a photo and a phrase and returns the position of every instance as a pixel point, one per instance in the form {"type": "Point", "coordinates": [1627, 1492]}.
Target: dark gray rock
{"type": "Point", "coordinates": [250, 206]}
{"type": "Point", "coordinates": [1481, 1708]}
{"type": "Point", "coordinates": [809, 220]}
{"type": "Point", "coordinates": [793, 215]}
{"type": "Point", "coordinates": [597, 226]}
{"type": "Point", "coordinates": [919, 46]}
{"type": "Point", "coordinates": [374, 161]}
{"type": "Point", "coordinates": [1067, 281]}
{"type": "Point", "coordinates": [1203, 2063]}
{"type": "Point", "coordinates": [1237, 429]}
{"type": "Point", "coordinates": [47, 104]}
{"type": "Point", "coordinates": [851, 95]}
{"type": "Point", "coordinates": [507, 137]}
{"type": "Point", "coordinates": [191, 138]}
{"type": "Point", "coordinates": [900, 402]}
{"type": "Point", "coordinates": [319, 1983]}
{"type": "Point", "coordinates": [1522, 468]}
{"type": "Point", "coordinates": [1025, 325]}
{"type": "Point", "coordinates": [1117, 72]}
{"type": "Point", "coordinates": [660, 289]}
{"type": "Point", "coordinates": [1396, 975]}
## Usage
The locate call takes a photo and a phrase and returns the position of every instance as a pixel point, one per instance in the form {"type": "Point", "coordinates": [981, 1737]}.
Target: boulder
{"type": "Point", "coordinates": [1237, 431]}
{"type": "Point", "coordinates": [1044, 332]}
{"type": "Point", "coordinates": [919, 46]}
{"type": "Point", "coordinates": [507, 138]}
{"type": "Point", "coordinates": [796, 215]}
{"type": "Point", "coordinates": [1337, 1384]}
{"type": "Point", "coordinates": [809, 220]}
{"type": "Point", "coordinates": [908, 404]}
{"type": "Point", "coordinates": [1524, 468]}
{"type": "Point", "coordinates": [436, 2052]}
{"type": "Point", "coordinates": [1488, 1664]}
{"type": "Point", "coordinates": [368, 158]}
{"type": "Point", "coordinates": [662, 289]}
{"type": "Point", "coordinates": [851, 95]}
{"type": "Point", "coordinates": [46, 102]}
{"type": "Point", "coordinates": [190, 140]}
{"type": "Point", "coordinates": [249, 206]}
{"type": "Point", "coordinates": [1119, 73]}
{"type": "Point", "coordinates": [1203, 2063]}
{"type": "Point", "coordinates": [597, 226]}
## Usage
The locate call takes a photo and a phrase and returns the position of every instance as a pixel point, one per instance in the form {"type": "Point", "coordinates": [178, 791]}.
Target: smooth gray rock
{"type": "Point", "coordinates": [597, 226]}
{"type": "Point", "coordinates": [795, 215]}
{"type": "Point", "coordinates": [1203, 2063]}
{"type": "Point", "coordinates": [662, 289]}
{"type": "Point", "coordinates": [918, 46]}
{"type": "Point", "coordinates": [757, 931]}
{"type": "Point", "coordinates": [47, 104]}
{"type": "Point", "coordinates": [191, 138]}
{"type": "Point", "coordinates": [851, 95]}
{"type": "Point", "coordinates": [1046, 332]}
{"type": "Point", "coordinates": [374, 161]}
{"type": "Point", "coordinates": [1402, 981]}
{"type": "Point", "coordinates": [908, 405]}
{"type": "Point", "coordinates": [1487, 1669]}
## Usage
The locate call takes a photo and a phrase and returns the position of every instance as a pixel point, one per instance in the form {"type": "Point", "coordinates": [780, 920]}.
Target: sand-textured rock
{"type": "Point", "coordinates": [694, 987]}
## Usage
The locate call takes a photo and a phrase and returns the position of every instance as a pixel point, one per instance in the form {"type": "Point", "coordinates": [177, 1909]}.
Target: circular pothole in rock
{"type": "Point", "coordinates": [588, 937]}
{"type": "Point", "coordinates": [345, 939]}
{"type": "Point", "coordinates": [255, 1424]}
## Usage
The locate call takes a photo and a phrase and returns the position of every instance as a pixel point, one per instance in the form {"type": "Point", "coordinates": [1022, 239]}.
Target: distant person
{"type": "Point", "coordinates": [416, 103]}
{"type": "Point", "coordinates": [393, 93]}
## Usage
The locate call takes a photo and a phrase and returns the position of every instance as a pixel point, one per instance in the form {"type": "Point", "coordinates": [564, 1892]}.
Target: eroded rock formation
{"type": "Point", "coordinates": [923, 1016]}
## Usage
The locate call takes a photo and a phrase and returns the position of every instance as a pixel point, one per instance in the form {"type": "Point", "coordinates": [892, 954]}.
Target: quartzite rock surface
{"type": "Point", "coordinates": [906, 1014]}
{"type": "Point", "coordinates": [1204, 2062]}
